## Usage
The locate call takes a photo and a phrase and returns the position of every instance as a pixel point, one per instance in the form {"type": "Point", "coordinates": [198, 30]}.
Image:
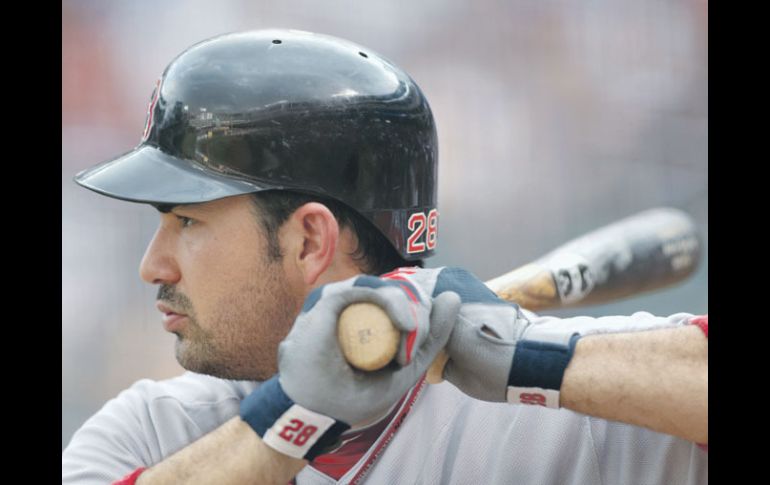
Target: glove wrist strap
{"type": "Point", "coordinates": [538, 369]}
{"type": "Point", "coordinates": [286, 426]}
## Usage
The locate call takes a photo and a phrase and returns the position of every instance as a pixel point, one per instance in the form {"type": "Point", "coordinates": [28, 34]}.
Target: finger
{"type": "Point", "coordinates": [444, 311]}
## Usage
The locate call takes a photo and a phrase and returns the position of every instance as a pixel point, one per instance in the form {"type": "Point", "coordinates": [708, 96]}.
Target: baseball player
{"type": "Point", "coordinates": [288, 168]}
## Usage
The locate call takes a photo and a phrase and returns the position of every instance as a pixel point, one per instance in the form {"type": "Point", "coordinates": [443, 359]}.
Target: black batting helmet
{"type": "Point", "coordinates": [287, 110]}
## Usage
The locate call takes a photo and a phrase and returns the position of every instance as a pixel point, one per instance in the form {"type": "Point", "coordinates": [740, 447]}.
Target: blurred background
{"type": "Point", "coordinates": [554, 118]}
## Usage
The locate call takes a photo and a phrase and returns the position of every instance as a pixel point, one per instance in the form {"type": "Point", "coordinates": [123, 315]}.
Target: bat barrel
{"type": "Point", "coordinates": [647, 251]}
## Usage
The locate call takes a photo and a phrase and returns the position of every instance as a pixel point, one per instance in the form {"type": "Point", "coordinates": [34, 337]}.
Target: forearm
{"type": "Point", "coordinates": [231, 454]}
{"type": "Point", "coordinates": [657, 379]}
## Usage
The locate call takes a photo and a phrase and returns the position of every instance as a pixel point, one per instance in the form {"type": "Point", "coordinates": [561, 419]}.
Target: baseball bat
{"type": "Point", "coordinates": [644, 252]}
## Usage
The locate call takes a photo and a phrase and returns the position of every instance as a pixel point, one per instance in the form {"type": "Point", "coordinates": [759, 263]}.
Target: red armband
{"type": "Point", "coordinates": [703, 323]}
{"type": "Point", "coordinates": [130, 479]}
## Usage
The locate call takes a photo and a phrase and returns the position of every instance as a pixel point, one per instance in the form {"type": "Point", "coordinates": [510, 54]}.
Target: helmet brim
{"type": "Point", "coordinates": [148, 175]}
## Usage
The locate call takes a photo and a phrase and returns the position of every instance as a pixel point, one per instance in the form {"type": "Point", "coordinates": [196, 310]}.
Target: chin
{"type": "Point", "coordinates": [223, 370]}
{"type": "Point", "coordinates": [235, 375]}
{"type": "Point", "coordinates": [203, 358]}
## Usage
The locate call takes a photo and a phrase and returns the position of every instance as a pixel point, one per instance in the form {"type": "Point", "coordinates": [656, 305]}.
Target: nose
{"type": "Point", "coordinates": [158, 265]}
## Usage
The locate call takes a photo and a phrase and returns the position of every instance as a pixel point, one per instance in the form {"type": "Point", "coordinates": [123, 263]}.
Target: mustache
{"type": "Point", "coordinates": [179, 301]}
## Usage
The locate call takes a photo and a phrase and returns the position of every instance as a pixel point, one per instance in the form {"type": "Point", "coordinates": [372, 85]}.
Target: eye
{"type": "Point", "coordinates": [185, 221]}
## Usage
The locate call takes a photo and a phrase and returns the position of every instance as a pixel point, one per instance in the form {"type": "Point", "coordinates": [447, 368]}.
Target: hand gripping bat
{"type": "Point", "coordinates": [647, 251]}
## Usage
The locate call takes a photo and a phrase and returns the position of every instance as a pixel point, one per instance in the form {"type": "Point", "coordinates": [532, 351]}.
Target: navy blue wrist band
{"type": "Point", "coordinates": [286, 426]}
{"type": "Point", "coordinates": [537, 371]}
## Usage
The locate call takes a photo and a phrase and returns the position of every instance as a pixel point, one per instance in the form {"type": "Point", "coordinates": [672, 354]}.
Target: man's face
{"type": "Point", "coordinates": [227, 303]}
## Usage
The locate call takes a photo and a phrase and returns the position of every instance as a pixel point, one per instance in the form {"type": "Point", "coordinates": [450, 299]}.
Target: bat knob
{"type": "Point", "coordinates": [367, 338]}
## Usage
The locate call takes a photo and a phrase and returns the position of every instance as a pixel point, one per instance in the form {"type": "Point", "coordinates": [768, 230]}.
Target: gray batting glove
{"type": "Point", "coordinates": [495, 352]}
{"type": "Point", "coordinates": [313, 371]}
{"type": "Point", "coordinates": [317, 395]}
{"type": "Point", "coordinates": [499, 352]}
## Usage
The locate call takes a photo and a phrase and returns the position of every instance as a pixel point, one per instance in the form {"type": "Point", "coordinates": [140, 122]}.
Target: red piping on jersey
{"type": "Point", "coordinates": [391, 431]}
{"type": "Point", "coordinates": [703, 323]}
{"type": "Point", "coordinates": [131, 478]}
{"type": "Point", "coordinates": [337, 463]}
{"type": "Point", "coordinates": [405, 270]}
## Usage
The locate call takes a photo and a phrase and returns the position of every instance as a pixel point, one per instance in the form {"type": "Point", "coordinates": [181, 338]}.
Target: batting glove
{"type": "Point", "coordinates": [317, 395]}
{"type": "Point", "coordinates": [501, 353]}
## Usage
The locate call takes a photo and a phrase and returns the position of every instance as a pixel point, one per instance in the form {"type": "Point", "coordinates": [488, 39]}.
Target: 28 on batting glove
{"type": "Point", "coordinates": [316, 394]}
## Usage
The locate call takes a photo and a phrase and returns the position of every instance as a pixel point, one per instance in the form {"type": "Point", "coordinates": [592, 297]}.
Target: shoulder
{"type": "Point", "coordinates": [189, 389]}
{"type": "Point", "coordinates": [195, 402]}
{"type": "Point", "coordinates": [149, 421]}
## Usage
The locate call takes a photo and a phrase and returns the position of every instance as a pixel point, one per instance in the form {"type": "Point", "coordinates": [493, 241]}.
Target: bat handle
{"type": "Point", "coordinates": [435, 373]}
{"type": "Point", "coordinates": [369, 340]}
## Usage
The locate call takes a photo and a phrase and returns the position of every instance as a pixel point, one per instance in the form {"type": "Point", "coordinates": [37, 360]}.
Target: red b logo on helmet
{"type": "Point", "coordinates": [150, 110]}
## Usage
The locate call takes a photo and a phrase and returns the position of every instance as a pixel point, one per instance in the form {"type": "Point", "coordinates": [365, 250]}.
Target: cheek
{"type": "Point", "coordinates": [232, 285]}
{"type": "Point", "coordinates": [224, 256]}
{"type": "Point", "coordinates": [253, 317]}
{"type": "Point", "coordinates": [227, 288]}
{"type": "Point", "coordinates": [210, 275]}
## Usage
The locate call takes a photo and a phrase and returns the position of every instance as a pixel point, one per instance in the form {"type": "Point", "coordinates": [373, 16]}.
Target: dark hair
{"type": "Point", "coordinates": [374, 254]}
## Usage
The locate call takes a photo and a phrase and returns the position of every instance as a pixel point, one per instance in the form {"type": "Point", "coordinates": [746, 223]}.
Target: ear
{"type": "Point", "coordinates": [314, 233]}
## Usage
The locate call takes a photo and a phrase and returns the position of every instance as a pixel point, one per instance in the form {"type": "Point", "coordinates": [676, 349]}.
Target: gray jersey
{"type": "Point", "coordinates": [446, 438]}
